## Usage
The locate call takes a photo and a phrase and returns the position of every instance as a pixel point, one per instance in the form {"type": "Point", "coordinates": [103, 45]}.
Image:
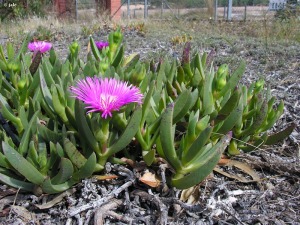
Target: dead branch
{"type": "Point", "coordinates": [96, 204]}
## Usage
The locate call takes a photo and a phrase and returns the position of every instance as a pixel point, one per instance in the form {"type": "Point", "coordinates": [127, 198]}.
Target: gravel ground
{"type": "Point", "coordinates": [268, 193]}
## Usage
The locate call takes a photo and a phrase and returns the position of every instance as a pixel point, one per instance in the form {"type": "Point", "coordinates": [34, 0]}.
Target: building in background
{"type": "Point", "coordinates": [275, 5]}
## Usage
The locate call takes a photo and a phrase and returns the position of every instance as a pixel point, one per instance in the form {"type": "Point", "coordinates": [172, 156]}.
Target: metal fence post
{"type": "Point", "coordinates": [245, 13]}
{"type": "Point", "coordinates": [162, 9]}
{"type": "Point", "coordinates": [216, 11]}
{"type": "Point", "coordinates": [76, 10]}
{"type": "Point", "coordinates": [134, 16]}
{"type": "Point", "coordinates": [128, 9]}
{"type": "Point", "coordinates": [229, 10]}
{"type": "Point", "coordinates": [145, 9]}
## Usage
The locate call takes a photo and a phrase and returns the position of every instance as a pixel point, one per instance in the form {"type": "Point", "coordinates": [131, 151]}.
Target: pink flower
{"type": "Point", "coordinates": [41, 46]}
{"type": "Point", "coordinates": [105, 94]}
{"type": "Point", "coordinates": [101, 44]}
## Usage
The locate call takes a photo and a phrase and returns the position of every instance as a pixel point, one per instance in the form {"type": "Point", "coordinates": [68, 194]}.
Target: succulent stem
{"type": "Point", "coordinates": [104, 135]}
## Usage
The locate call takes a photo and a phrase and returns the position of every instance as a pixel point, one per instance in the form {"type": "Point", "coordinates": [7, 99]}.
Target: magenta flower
{"type": "Point", "coordinates": [105, 94]}
{"type": "Point", "coordinates": [41, 46]}
{"type": "Point", "coordinates": [101, 44]}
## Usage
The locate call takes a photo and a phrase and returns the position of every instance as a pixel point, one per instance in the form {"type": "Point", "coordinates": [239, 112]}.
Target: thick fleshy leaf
{"type": "Point", "coordinates": [26, 186]}
{"type": "Point", "coordinates": [65, 172]}
{"type": "Point", "coordinates": [22, 165]}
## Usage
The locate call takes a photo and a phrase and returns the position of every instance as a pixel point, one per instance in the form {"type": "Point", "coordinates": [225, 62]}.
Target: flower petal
{"type": "Point", "coordinates": [105, 94]}
{"type": "Point", "coordinates": [101, 44]}
{"type": "Point", "coordinates": [41, 46]}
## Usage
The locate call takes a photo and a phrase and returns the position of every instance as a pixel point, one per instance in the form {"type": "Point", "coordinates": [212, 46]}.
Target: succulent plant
{"type": "Point", "coordinates": [62, 121]}
{"type": "Point", "coordinates": [196, 155]}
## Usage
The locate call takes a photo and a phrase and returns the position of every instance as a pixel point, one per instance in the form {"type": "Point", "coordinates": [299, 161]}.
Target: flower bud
{"type": "Point", "coordinates": [74, 47]}
{"type": "Point", "coordinates": [117, 37]}
{"type": "Point", "coordinates": [186, 53]}
{"type": "Point", "coordinates": [223, 69]}
{"type": "Point", "coordinates": [13, 66]}
{"type": "Point", "coordinates": [138, 75]}
{"type": "Point", "coordinates": [22, 83]}
{"type": "Point", "coordinates": [232, 148]}
{"type": "Point", "coordinates": [221, 77]}
{"type": "Point", "coordinates": [104, 65]}
{"type": "Point", "coordinates": [259, 85]}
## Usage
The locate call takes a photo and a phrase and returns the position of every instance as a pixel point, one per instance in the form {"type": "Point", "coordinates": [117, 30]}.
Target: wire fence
{"type": "Point", "coordinates": [231, 10]}
{"type": "Point", "coordinates": [194, 10]}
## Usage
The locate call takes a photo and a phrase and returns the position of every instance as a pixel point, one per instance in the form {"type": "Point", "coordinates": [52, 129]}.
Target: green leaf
{"type": "Point", "coordinates": [281, 135]}
{"type": "Point", "coordinates": [129, 132]}
{"type": "Point", "coordinates": [9, 115]}
{"type": "Point", "coordinates": [10, 51]}
{"type": "Point", "coordinates": [74, 155]}
{"type": "Point", "coordinates": [118, 59]}
{"type": "Point", "coordinates": [209, 151]}
{"type": "Point", "coordinates": [49, 135]}
{"type": "Point", "coordinates": [201, 167]}
{"type": "Point", "coordinates": [32, 154]}
{"type": "Point", "coordinates": [95, 50]}
{"type": "Point", "coordinates": [83, 127]}
{"type": "Point", "coordinates": [87, 169]}
{"type": "Point", "coordinates": [22, 165]}
{"type": "Point", "coordinates": [30, 129]}
{"type": "Point", "coordinates": [52, 160]}
{"type": "Point", "coordinates": [3, 161]}
{"type": "Point", "coordinates": [258, 143]}
{"type": "Point", "coordinates": [182, 105]}
{"type": "Point", "coordinates": [146, 103]}
{"type": "Point", "coordinates": [24, 46]}
{"type": "Point", "coordinates": [208, 99]}
{"type": "Point", "coordinates": [47, 75]}
{"type": "Point", "coordinates": [42, 158]}
{"type": "Point", "coordinates": [234, 79]}
{"type": "Point", "coordinates": [197, 145]}
{"type": "Point", "coordinates": [59, 104]}
{"type": "Point", "coordinates": [191, 179]}
{"type": "Point", "coordinates": [50, 188]}
{"type": "Point", "coordinates": [65, 172]}
{"type": "Point", "coordinates": [71, 117]}
{"type": "Point", "coordinates": [3, 66]}
{"type": "Point", "coordinates": [2, 56]}
{"type": "Point", "coordinates": [45, 91]}
{"type": "Point", "coordinates": [257, 120]}
{"type": "Point", "coordinates": [172, 72]}
{"type": "Point", "coordinates": [167, 138]}
{"type": "Point", "coordinates": [34, 85]}
{"type": "Point", "coordinates": [149, 156]}
{"type": "Point", "coordinates": [16, 183]}
{"type": "Point", "coordinates": [231, 103]}
{"type": "Point", "coordinates": [232, 119]}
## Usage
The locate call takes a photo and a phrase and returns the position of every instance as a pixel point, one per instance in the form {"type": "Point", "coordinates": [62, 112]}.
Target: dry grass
{"type": "Point", "coordinates": [266, 29]}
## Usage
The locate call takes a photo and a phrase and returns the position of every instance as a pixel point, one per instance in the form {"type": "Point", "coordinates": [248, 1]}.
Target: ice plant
{"type": "Point", "coordinates": [101, 44]}
{"type": "Point", "coordinates": [41, 46]}
{"type": "Point", "coordinates": [190, 115]}
{"type": "Point", "coordinates": [105, 94]}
